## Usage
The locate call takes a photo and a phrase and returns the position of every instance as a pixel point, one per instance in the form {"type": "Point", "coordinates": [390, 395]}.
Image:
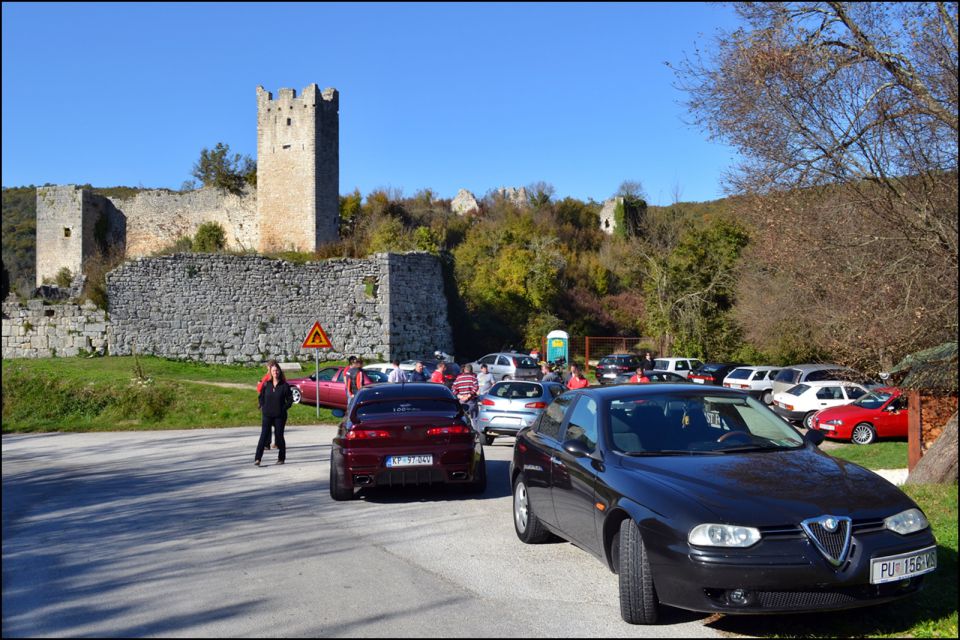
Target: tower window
{"type": "Point", "coordinates": [66, 232]}
{"type": "Point", "coordinates": [288, 122]}
{"type": "Point", "coordinates": [286, 146]}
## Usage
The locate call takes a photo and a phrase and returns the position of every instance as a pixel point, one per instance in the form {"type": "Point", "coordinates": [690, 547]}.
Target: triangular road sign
{"type": "Point", "coordinates": [317, 338]}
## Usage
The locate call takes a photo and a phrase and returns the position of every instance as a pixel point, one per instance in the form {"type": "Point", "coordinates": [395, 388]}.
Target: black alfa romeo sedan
{"type": "Point", "coordinates": [703, 499]}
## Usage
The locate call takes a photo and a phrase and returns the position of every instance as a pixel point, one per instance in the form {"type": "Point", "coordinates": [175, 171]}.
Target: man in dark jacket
{"type": "Point", "coordinates": [275, 399]}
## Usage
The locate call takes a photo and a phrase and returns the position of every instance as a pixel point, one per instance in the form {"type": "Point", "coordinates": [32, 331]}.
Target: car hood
{"type": "Point", "coordinates": [772, 488]}
{"type": "Point", "coordinates": [847, 411]}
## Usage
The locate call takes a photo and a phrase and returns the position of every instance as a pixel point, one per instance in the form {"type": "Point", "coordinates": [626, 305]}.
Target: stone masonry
{"type": "Point", "coordinates": [246, 309]}
{"type": "Point", "coordinates": [40, 330]}
{"type": "Point", "coordinates": [298, 171]}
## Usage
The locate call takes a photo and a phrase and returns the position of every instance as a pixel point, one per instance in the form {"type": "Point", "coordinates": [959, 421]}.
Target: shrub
{"type": "Point", "coordinates": [210, 238]}
{"type": "Point", "coordinates": [63, 278]}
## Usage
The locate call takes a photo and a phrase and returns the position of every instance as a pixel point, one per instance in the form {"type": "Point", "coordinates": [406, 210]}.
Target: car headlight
{"type": "Point", "coordinates": [909, 521]}
{"type": "Point", "coordinates": [835, 423]}
{"type": "Point", "coordinates": [723, 535]}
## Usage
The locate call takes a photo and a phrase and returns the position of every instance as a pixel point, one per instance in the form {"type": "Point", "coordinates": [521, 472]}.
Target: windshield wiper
{"type": "Point", "coordinates": [754, 447]}
{"type": "Point", "coordinates": [672, 452]}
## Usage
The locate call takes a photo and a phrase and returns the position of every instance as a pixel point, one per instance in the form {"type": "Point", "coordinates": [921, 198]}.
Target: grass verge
{"type": "Point", "coordinates": [879, 455]}
{"type": "Point", "coordinates": [128, 394]}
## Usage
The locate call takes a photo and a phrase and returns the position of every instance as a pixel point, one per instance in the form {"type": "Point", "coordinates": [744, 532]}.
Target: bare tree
{"type": "Point", "coordinates": [846, 117]}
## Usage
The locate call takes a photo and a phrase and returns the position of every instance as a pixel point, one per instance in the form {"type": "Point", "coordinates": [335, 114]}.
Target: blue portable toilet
{"type": "Point", "coordinates": [558, 346]}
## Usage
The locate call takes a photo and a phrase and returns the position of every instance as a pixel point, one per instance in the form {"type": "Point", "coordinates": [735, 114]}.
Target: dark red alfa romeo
{"type": "Point", "coordinates": [413, 433]}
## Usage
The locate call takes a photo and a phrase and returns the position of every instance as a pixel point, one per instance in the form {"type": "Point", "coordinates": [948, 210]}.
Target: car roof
{"type": "Point", "coordinates": [815, 367]}
{"type": "Point", "coordinates": [679, 358]}
{"type": "Point", "coordinates": [628, 391]}
{"type": "Point", "coordinates": [761, 367]}
{"type": "Point", "coordinates": [823, 383]}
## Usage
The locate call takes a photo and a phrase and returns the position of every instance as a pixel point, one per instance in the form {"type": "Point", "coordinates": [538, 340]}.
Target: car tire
{"type": "Point", "coordinates": [638, 598]}
{"type": "Point", "coordinates": [479, 483]}
{"type": "Point", "coordinates": [526, 523]}
{"type": "Point", "coordinates": [808, 420]}
{"type": "Point", "coordinates": [505, 377]}
{"type": "Point", "coordinates": [337, 491]}
{"type": "Point", "coordinates": [767, 397]}
{"type": "Point", "coordinates": [863, 433]}
{"type": "Point", "coordinates": [297, 396]}
{"type": "Point", "coordinates": [488, 440]}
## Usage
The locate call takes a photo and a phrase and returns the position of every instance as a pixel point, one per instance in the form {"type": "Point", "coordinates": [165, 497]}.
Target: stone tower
{"type": "Point", "coordinates": [298, 169]}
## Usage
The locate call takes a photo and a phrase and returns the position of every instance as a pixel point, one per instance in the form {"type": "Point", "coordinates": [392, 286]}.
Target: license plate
{"type": "Point", "coordinates": [698, 380]}
{"type": "Point", "coordinates": [609, 375]}
{"type": "Point", "coordinates": [410, 461]}
{"type": "Point", "coordinates": [905, 565]}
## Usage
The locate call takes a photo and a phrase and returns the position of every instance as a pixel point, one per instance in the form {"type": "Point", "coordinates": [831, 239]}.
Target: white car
{"type": "Point", "coordinates": [679, 366]}
{"type": "Point", "coordinates": [800, 402]}
{"type": "Point", "coordinates": [756, 381]}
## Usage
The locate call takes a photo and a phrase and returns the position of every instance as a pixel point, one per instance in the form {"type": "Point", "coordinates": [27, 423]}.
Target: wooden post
{"type": "Point", "coordinates": [914, 431]}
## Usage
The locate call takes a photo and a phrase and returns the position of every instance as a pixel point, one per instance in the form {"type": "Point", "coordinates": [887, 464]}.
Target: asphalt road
{"type": "Point", "coordinates": [176, 533]}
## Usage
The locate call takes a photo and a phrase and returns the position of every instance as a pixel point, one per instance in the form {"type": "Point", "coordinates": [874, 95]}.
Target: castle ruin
{"type": "Point", "coordinates": [295, 206]}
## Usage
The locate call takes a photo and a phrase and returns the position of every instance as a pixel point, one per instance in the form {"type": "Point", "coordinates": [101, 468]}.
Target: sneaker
{"type": "Point", "coordinates": [279, 461]}
{"type": "Point", "coordinates": [256, 463]}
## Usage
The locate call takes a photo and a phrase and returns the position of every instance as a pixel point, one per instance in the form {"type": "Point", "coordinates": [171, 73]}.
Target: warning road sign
{"type": "Point", "coordinates": [317, 338]}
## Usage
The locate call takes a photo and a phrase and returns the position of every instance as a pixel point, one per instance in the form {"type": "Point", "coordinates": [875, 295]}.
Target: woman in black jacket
{"type": "Point", "coordinates": [275, 398]}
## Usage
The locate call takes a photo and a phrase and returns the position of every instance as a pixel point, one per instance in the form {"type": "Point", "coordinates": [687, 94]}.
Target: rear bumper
{"type": "Point", "coordinates": [452, 464]}
{"type": "Point", "coordinates": [792, 416]}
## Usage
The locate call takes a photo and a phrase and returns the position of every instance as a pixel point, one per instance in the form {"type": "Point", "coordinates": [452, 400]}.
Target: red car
{"type": "Point", "coordinates": [882, 413]}
{"type": "Point", "coordinates": [414, 433]}
{"type": "Point", "coordinates": [333, 393]}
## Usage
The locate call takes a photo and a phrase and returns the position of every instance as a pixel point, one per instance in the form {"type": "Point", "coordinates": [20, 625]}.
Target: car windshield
{"type": "Point", "coordinates": [873, 400]}
{"type": "Point", "coordinates": [403, 406]}
{"type": "Point", "coordinates": [516, 390]}
{"type": "Point", "coordinates": [740, 374]}
{"type": "Point", "coordinates": [678, 423]}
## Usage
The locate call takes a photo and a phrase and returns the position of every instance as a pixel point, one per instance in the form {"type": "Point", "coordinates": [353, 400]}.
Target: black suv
{"type": "Point", "coordinates": [712, 372]}
{"type": "Point", "coordinates": [616, 364]}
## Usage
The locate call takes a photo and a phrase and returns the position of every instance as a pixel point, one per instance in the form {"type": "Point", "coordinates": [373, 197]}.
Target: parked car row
{"type": "Point", "coordinates": [695, 495]}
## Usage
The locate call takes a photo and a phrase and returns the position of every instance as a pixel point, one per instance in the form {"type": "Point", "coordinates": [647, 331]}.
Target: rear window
{"type": "Point", "coordinates": [516, 390]}
{"type": "Point", "coordinates": [797, 390]}
{"type": "Point", "coordinates": [788, 375]}
{"type": "Point", "coordinates": [711, 368]}
{"type": "Point", "coordinates": [620, 360]}
{"type": "Point", "coordinates": [407, 406]}
{"type": "Point", "coordinates": [661, 364]}
{"type": "Point", "coordinates": [740, 374]}
{"type": "Point", "coordinates": [524, 362]}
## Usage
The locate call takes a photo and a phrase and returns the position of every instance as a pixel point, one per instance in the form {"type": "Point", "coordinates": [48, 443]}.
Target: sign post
{"type": "Point", "coordinates": [317, 339]}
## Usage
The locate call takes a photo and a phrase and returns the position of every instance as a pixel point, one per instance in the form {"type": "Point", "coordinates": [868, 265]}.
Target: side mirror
{"type": "Point", "coordinates": [338, 413]}
{"type": "Point", "coordinates": [814, 437]}
{"type": "Point", "coordinates": [576, 448]}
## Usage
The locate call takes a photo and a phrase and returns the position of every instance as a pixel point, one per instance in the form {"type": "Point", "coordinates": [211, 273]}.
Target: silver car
{"type": "Point", "coordinates": [512, 405]}
{"type": "Point", "coordinates": [509, 365]}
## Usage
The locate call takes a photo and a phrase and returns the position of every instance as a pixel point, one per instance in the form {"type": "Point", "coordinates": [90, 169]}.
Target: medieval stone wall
{"type": "Point", "coordinates": [40, 330]}
{"type": "Point", "coordinates": [155, 218]}
{"type": "Point", "coordinates": [246, 309]}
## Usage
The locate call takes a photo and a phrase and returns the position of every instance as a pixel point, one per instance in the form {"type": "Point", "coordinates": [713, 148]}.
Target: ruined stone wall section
{"type": "Point", "coordinates": [40, 330]}
{"type": "Point", "coordinates": [247, 309]}
{"type": "Point", "coordinates": [297, 169]}
{"type": "Point", "coordinates": [156, 218]}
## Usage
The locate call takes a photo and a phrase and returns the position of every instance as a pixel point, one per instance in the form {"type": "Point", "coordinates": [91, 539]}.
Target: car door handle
{"type": "Point", "coordinates": [555, 460]}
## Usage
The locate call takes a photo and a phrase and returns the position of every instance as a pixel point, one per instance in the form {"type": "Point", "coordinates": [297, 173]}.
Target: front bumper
{"type": "Point", "coordinates": [782, 574]}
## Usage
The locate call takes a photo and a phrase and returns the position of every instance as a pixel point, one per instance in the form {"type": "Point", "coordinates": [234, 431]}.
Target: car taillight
{"type": "Point", "coordinates": [536, 405]}
{"type": "Point", "coordinates": [487, 402]}
{"type": "Point", "coordinates": [367, 434]}
{"type": "Point", "coordinates": [788, 407]}
{"type": "Point", "coordinates": [727, 385]}
{"type": "Point", "coordinates": [513, 361]}
{"type": "Point", "coordinates": [454, 429]}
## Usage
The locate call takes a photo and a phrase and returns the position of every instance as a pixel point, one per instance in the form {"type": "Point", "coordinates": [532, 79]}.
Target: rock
{"type": "Point", "coordinates": [464, 203]}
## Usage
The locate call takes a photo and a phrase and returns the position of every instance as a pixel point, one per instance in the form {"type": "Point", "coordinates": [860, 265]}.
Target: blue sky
{"type": "Point", "coordinates": [439, 96]}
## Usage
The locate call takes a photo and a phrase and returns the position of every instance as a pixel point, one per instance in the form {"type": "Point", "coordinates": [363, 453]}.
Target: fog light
{"type": "Point", "coordinates": [739, 597]}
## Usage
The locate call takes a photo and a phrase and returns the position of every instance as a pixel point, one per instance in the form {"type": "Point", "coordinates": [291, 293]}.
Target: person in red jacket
{"type": "Point", "coordinates": [640, 375]}
{"type": "Point", "coordinates": [438, 373]}
{"type": "Point", "coordinates": [577, 380]}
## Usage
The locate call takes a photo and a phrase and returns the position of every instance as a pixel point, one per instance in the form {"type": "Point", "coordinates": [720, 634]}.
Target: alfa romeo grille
{"type": "Point", "coordinates": [830, 535]}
